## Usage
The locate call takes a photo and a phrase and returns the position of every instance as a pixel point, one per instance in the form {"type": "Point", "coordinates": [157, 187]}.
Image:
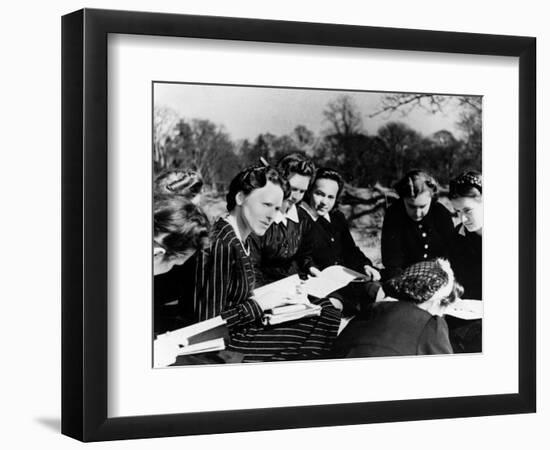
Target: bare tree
{"type": "Point", "coordinates": [398, 138]}
{"type": "Point", "coordinates": [344, 117]}
{"type": "Point", "coordinates": [470, 124]}
{"type": "Point", "coordinates": [164, 130]}
{"type": "Point", "coordinates": [405, 103]}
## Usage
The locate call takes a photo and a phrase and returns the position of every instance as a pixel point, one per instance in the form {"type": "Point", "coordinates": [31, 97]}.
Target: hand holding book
{"type": "Point", "coordinates": [288, 291]}
{"type": "Point", "coordinates": [287, 300]}
{"type": "Point", "coordinates": [372, 273]}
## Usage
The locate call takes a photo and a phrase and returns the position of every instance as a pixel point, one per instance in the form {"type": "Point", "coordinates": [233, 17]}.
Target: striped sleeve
{"type": "Point", "coordinates": [245, 313]}
{"type": "Point", "coordinates": [215, 297]}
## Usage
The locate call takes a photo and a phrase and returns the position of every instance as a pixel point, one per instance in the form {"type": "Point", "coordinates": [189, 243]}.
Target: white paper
{"type": "Point", "coordinates": [330, 280]}
{"type": "Point", "coordinates": [466, 309]}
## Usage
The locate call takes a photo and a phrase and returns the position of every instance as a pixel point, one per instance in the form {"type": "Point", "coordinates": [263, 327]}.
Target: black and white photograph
{"type": "Point", "coordinates": [294, 224]}
{"type": "Point", "coordinates": [219, 213]}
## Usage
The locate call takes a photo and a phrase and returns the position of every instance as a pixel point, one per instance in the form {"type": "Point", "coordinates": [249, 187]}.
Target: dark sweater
{"type": "Point", "coordinates": [332, 243]}
{"type": "Point", "coordinates": [282, 251]}
{"type": "Point", "coordinates": [405, 242]}
{"type": "Point", "coordinates": [466, 262]}
{"type": "Point", "coordinates": [173, 307]}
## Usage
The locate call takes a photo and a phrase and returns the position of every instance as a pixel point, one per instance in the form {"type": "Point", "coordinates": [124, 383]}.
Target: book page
{"type": "Point", "coordinates": [287, 291]}
{"type": "Point", "coordinates": [331, 279]}
{"type": "Point", "coordinates": [465, 309]}
{"type": "Point", "coordinates": [285, 286]}
{"type": "Point", "coordinates": [182, 335]}
{"type": "Point", "coordinates": [341, 274]}
{"type": "Point", "coordinates": [307, 311]}
{"type": "Point", "coordinates": [201, 347]}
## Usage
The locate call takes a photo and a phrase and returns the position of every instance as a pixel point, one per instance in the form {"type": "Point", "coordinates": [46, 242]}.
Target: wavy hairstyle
{"type": "Point", "coordinates": [184, 225]}
{"type": "Point", "coordinates": [414, 183]}
{"type": "Point", "coordinates": [251, 178]}
{"type": "Point", "coordinates": [296, 163]}
{"type": "Point", "coordinates": [327, 174]}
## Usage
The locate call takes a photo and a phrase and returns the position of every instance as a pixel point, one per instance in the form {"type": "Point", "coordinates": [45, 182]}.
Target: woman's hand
{"type": "Point", "coordinates": [270, 300]}
{"type": "Point", "coordinates": [314, 271]}
{"type": "Point", "coordinates": [273, 299]}
{"type": "Point", "coordinates": [336, 303]}
{"type": "Point", "coordinates": [372, 273]}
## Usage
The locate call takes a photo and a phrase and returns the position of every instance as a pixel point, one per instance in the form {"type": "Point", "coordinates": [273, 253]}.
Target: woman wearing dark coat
{"type": "Point", "coordinates": [411, 325]}
{"type": "Point", "coordinates": [416, 227]}
{"type": "Point", "coordinates": [331, 242]}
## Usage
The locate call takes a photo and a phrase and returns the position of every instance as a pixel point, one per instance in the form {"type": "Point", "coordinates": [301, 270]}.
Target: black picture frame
{"type": "Point", "coordinates": [84, 224]}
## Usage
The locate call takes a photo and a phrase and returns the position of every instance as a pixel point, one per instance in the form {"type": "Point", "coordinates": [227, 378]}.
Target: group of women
{"type": "Point", "coordinates": [284, 220]}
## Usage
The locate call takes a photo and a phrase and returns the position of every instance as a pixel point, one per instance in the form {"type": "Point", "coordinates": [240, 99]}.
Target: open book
{"type": "Point", "coordinates": [331, 279]}
{"type": "Point", "coordinates": [202, 337]}
{"type": "Point", "coordinates": [293, 293]}
{"type": "Point", "coordinates": [287, 313]}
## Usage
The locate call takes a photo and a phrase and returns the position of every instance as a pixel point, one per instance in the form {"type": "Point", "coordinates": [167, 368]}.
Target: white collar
{"type": "Point", "coordinates": [462, 230]}
{"type": "Point", "coordinates": [291, 214]}
{"type": "Point", "coordinates": [310, 211]}
{"type": "Point", "coordinates": [233, 222]}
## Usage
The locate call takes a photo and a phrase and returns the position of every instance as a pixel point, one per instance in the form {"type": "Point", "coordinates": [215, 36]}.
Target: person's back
{"type": "Point", "coordinates": [395, 328]}
{"type": "Point", "coordinates": [412, 323]}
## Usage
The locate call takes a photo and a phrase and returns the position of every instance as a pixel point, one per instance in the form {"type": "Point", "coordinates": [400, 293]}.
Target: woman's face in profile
{"type": "Point", "coordinates": [417, 207]}
{"type": "Point", "coordinates": [258, 209]}
{"type": "Point", "coordinates": [323, 196]}
{"type": "Point", "coordinates": [470, 212]}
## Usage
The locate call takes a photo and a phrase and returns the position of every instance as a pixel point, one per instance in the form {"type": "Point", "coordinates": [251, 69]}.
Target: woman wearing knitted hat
{"type": "Point", "coordinates": [412, 325]}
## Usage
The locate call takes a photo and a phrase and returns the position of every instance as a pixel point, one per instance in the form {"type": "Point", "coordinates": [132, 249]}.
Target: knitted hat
{"type": "Point", "coordinates": [422, 281]}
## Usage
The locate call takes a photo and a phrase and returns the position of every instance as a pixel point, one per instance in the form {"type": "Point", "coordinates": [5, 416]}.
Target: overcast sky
{"type": "Point", "coordinates": [245, 112]}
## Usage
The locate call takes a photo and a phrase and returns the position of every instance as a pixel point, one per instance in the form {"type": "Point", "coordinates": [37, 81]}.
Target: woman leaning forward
{"type": "Point", "coordinates": [224, 279]}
